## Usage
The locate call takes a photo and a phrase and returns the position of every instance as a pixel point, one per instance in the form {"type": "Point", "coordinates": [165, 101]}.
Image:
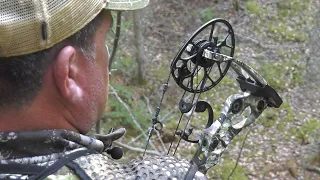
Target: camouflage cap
{"type": "Point", "coordinates": [28, 26]}
{"type": "Point", "coordinates": [126, 4]}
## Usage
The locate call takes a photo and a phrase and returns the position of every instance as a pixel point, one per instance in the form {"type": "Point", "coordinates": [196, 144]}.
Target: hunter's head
{"type": "Point", "coordinates": [54, 62]}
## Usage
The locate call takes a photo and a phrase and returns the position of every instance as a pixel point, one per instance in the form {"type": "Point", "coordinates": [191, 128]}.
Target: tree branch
{"type": "Point", "coordinates": [137, 149]}
{"type": "Point", "coordinates": [161, 141]}
{"type": "Point", "coordinates": [131, 115]}
{"type": "Point", "coordinates": [312, 168]}
{"type": "Point", "coordinates": [161, 120]}
{"type": "Point", "coordinates": [148, 104]}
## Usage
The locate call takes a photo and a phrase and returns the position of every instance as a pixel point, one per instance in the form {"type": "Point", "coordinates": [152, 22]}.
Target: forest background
{"type": "Point", "coordinates": [280, 39]}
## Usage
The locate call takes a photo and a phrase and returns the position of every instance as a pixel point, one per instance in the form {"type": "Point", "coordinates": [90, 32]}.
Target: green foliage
{"type": "Point", "coordinates": [271, 73]}
{"type": "Point", "coordinates": [287, 33]}
{"type": "Point", "coordinates": [288, 117]}
{"type": "Point", "coordinates": [207, 14]}
{"type": "Point", "coordinates": [286, 54]}
{"type": "Point", "coordinates": [290, 114]}
{"type": "Point", "coordinates": [283, 24]}
{"type": "Point", "coordinates": [295, 71]}
{"type": "Point", "coordinates": [223, 169]}
{"type": "Point", "coordinates": [279, 74]}
{"type": "Point", "coordinates": [227, 81]}
{"type": "Point", "coordinates": [293, 5]}
{"type": "Point", "coordinates": [119, 116]}
{"type": "Point", "coordinates": [315, 159]}
{"type": "Point", "coordinates": [268, 118]}
{"type": "Point", "coordinates": [280, 119]}
{"type": "Point", "coordinates": [240, 137]}
{"type": "Point", "coordinates": [307, 130]}
{"type": "Point", "coordinates": [311, 126]}
{"type": "Point", "coordinates": [161, 72]}
{"type": "Point", "coordinates": [254, 8]}
{"type": "Point", "coordinates": [124, 66]}
{"type": "Point", "coordinates": [296, 56]}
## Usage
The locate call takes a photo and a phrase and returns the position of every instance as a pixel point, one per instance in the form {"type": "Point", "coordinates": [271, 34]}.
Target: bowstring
{"type": "Point", "coordinates": [186, 125]}
{"type": "Point", "coordinates": [179, 121]}
{"type": "Point", "coordinates": [175, 131]}
{"type": "Point", "coordinates": [190, 117]}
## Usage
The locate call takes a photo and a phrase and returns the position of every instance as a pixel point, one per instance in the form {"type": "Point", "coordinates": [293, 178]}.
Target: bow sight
{"type": "Point", "coordinates": [200, 65]}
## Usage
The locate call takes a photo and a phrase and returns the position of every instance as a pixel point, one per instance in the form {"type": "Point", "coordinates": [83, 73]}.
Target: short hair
{"type": "Point", "coordinates": [21, 76]}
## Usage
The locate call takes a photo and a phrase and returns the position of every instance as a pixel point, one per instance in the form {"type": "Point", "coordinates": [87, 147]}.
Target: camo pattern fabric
{"type": "Point", "coordinates": [45, 147]}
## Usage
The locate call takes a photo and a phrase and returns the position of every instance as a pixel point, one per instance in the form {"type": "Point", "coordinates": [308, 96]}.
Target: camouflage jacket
{"type": "Point", "coordinates": [47, 147]}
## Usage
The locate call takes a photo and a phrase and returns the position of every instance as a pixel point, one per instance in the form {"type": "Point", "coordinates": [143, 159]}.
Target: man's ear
{"type": "Point", "coordinates": [65, 73]}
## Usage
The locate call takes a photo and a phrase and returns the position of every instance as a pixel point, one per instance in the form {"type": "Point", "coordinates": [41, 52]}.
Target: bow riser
{"type": "Point", "coordinates": [216, 138]}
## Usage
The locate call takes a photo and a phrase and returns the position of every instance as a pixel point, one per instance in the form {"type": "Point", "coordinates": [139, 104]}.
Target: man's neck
{"type": "Point", "coordinates": [43, 113]}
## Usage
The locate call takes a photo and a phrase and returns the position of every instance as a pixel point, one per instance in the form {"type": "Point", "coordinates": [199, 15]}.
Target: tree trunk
{"type": "Point", "coordinates": [313, 61]}
{"type": "Point", "coordinates": [307, 97]}
{"type": "Point", "coordinates": [138, 49]}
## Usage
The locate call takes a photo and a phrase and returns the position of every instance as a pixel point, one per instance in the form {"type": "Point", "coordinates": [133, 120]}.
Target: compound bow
{"type": "Point", "coordinates": [200, 65]}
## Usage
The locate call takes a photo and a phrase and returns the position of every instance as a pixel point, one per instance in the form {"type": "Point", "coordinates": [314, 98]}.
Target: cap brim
{"type": "Point", "coordinates": [126, 4]}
